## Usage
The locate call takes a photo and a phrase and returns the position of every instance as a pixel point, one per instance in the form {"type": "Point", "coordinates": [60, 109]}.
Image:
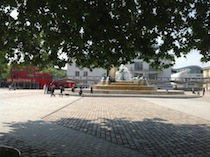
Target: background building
{"type": "Point", "coordinates": [139, 68]}
{"type": "Point", "coordinates": [206, 78]}
{"type": "Point", "coordinates": [31, 78]}
{"type": "Point", "coordinates": [187, 78]}
{"type": "Point", "coordinates": [158, 78]}
{"type": "Point", "coordinates": [85, 77]}
{"type": "Point", "coordinates": [28, 78]}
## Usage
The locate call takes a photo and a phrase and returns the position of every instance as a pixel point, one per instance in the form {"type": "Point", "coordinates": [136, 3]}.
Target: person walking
{"type": "Point", "coordinates": [91, 89]}
{"type": "Point", "coordinates": [45, 88]}
{"type": "Point", "coordinates": [193, 90]}
{"type": "Point", "coordinates": [204, 91]}
{"type": "Point", "coordinates": [80, 91]}
{"type": "Point", "coordinates": [61, 91]}
{"type": "Point", "coordinates": [52, 90]}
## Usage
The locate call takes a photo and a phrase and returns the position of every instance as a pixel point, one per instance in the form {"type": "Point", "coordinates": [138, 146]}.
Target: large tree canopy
{"type": "Point", "coordinates": [101, 33]}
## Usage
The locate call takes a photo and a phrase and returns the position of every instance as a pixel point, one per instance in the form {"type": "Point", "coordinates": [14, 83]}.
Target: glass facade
{"type": "Point", "coordinates": [191, 69]}
{"type": "Point", "coordinates": [85, 73]}
{"type": "Point", "coordinates": [76, 73]}
{"type": "Point", "coordinates": [138, 66]}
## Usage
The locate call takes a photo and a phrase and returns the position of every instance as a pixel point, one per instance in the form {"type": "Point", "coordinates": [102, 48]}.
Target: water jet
{"type": "Point", "coordinates": [124, 83]}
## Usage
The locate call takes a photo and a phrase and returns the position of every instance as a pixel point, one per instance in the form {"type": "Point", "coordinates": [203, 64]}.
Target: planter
{"type": "Point", "coordinates": [6, 151]}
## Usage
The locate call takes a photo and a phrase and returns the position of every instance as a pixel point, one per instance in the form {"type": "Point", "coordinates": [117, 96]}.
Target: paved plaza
{"type": "Point", "coordinates": [107, 126]}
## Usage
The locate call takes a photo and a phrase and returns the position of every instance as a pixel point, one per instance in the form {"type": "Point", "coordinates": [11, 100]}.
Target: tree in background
{"type": "Point", "coordinates": [55, 72]}
{"type": "Point", "coordinates": [4, 69]}
{"type": "Point", "coordinates": [102, 33]}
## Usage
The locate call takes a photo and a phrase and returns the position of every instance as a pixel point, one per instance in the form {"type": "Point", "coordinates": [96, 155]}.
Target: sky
{"type": "Point", "coordinates": [193, 58]}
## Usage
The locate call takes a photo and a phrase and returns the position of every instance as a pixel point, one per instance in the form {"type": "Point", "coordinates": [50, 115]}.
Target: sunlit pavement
{"type": "Point", "coordinates": [41, 126]}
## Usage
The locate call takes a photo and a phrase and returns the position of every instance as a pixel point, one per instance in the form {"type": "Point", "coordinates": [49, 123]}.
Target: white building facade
{"type": "Point", "coordinates": [206, 76]}
{"type": "Point", "coordinates": [187, 78]}
{"type": "Point", "coordinates": [139, 68]}
{"type": "Point", "coordinates": [159, 78]}
{"type": "Point", "coordinates": [85, 77]}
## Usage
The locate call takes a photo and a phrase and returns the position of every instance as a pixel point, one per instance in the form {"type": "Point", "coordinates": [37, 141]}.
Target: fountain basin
{"type": "Point", "coordinates": [124, 87]}
{"type": "Point", "coordinates": [124, 83]}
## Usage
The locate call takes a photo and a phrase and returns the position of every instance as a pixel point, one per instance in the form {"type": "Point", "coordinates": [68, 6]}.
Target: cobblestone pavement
{"type": "Point", "coordinates": [41, 126]}
{"type": "Point", "coordinates": [138, 125]}
{"type": "Point", "coordinates": [22, 126]}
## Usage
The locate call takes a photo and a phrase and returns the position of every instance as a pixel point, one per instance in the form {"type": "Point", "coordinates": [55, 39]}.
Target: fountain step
{"type": "Point", "coordinates": [124, 83]}
{"type": "Point", "coordinates": [125, 87]}
{"type": "Point", "coordinates": [128, 92]}
{"type": "Point", "coordinates": [102, 92]}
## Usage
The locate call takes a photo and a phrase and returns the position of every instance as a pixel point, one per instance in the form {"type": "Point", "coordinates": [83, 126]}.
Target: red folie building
{"type": "Point", "coordinates": [31, 78]}
{"type": "Point", "coordinates": [66, 83]}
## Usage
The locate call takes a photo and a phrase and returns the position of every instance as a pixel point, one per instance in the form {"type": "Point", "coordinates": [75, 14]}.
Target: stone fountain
{"type": "Point", "coordinates": [124, 83]}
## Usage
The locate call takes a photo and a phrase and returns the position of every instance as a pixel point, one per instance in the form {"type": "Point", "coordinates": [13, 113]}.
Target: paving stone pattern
{"type": "Point", "coordinates": [136, 124]}
{"type": "Point", "coordinates": [26, 150]}
{"type": "Point", "coordinates": [22, 127]}
{"type": "Point", "coordinates": [79, 126]}
{"type": "Point", "coordinates": [42, 139]}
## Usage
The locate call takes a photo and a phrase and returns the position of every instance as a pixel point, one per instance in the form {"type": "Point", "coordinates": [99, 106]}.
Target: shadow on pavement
{"type": "Point", "coordinates": [44, 139]}
{"type": "Point", "coordinates": [20, 137]}
{"type": "Point", "coordinates": [151, 137]}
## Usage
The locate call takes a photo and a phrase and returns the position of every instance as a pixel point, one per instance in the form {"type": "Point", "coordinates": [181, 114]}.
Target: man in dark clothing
{"type": "Point", "coordinates": [80, 92]}
{"type": "Point", "coordinates": [204, 91]}
{"type": "Point", "coordinates": [52, 90]}
{"type": "Point", "coordinates": [61, 91]}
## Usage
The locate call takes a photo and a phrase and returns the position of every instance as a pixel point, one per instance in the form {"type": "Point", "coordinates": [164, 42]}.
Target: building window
{"type": "Point", "coordinates": [85, 73]}
{"type": "Point", "coordinates": [138, 66]}
{"type": "Point", "coordinates": [76, 73]}
{"type": "Point", "coordinates": [153, 76]}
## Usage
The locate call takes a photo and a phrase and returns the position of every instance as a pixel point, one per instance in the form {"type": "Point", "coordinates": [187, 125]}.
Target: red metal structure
{"type": "Point", "coordinates": [66, 83]}
{"type": "Point", "coordinates": [30, 78]}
